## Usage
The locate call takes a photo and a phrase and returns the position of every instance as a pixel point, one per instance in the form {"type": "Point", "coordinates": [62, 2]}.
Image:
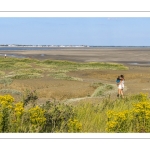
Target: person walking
{"type": "Point", "coordinates": [123, 80]}
{"type": "Point", "coordinates": [120, 88]}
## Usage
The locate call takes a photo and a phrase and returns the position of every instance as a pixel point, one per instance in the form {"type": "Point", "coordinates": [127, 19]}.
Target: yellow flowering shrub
{"type": "Point", "coordinates": [6, 101]}
{"type": "Point", "coordinates": [136, 119]}
{"type": "Point", "coordinates": [141, 116]}
{"type": "Point", "coordinates": [17, 117]}
{"type": "Point", "coordinates": [19, 109]}
{"type": "Point", "coordinates": [37, 117]}
{"type": "Point", "coordinates": [74, 125]}
{"type": "Point", "coordinates": [117, 121]}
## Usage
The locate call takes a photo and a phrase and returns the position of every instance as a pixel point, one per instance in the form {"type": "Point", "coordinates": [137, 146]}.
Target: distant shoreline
{"type": "Point", "coordinates": [130, 56]}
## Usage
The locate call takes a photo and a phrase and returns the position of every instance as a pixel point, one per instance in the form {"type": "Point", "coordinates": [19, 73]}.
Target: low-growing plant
{"type": "Point", "coordinates": [102, 90]}
{"type": "Point", "coordinates": [30, 97]}
{"type": "Point", "coordinates": [6, 81]}
{"type": "Point", "coordinates": [26, 76]}
{"type": "Point", "coordinates": [63, 76]}
{"type": "Point", "coordinates": [11, 91]}
{"type": "Point", "coordinates": [96, 84]}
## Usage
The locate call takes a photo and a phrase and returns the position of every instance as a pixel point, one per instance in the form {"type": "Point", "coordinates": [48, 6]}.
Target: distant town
{"type": "Point", "coordinates": [18, 45]}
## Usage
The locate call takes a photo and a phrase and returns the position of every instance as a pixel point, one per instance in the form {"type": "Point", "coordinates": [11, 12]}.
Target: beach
{"type": "Point", "coordinates": [127, 55]}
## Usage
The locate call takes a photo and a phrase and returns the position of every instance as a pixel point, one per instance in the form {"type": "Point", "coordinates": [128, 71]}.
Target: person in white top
{"type": "Point", "coordinates": [120, 86]}
{"type": "Point", "coordinates": [122, 76]}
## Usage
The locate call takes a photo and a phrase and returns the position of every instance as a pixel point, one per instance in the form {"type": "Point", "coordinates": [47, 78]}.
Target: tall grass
{"type": "Point", "coordinates": [131, 114]}
{"type": "Point", "coordinates": [106, 115]}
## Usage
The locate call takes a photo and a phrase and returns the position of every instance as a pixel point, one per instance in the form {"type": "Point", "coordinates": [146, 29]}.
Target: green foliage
{"type": "Point", "coordinates": [102, 89]}
{"type": "Point", "coordinates": [128, 115]}
{"type": "Point", "coordinates": [131, 114]}
{"type": "Point", "coordinates": [134, 119]}
{"type": "Point", "coordinates": [83, 66]}
{"type": "Point", "coordinates": [57, 117]}
{"type": "Point", "coordinates": [51, 117]}
{"type": "Point", "coordinates": [92, 117]}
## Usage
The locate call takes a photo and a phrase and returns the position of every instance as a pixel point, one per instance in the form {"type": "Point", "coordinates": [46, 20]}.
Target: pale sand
{"type": "Point", "coordinates": [120, 55]}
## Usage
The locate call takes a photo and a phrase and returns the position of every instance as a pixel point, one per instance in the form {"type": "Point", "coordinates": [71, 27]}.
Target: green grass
{"type": "Point", "coordinates": [103, 89]}
{"type": "Point", "coordinates": [63, 76]}
{"type": "Point", "coordinates": [23, 68]}
{"type": "Point", "coordinates": [27, 76]}
{"type": "Point", "coordinates": [71, 66]}
{"type": "Point", "coordinates": [5, 81]}
{"type": "Point", "coordinates": [93, 117]}
{"type": "Point", "coordinates": [96, 84]}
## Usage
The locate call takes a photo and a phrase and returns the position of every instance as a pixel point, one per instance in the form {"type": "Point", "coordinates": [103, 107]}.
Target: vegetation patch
{"type": "Point", "coordinates": [29, 71]}
{"type": "Point", "coordinates": [27, 76]}
{"type": "Point", "coordinates": [31, 68]}
{"type": "Point", "coordinates": [6, 81]}
{"type": "Point", "coordinates": [10, 91]}
{"type": "Point", "coordinates": [96, 85]}
{"type": "Point", "coordinates": [82, 66]}
{"type": "Point", "coordinates": [103, 89]}
{"type": "Point", "coordinates": [2, 73]}
{"type": "Point", "coordinates": [51, 117]}
{"type": "Point", "coordinates": [63, 76]}
{"type": "Point", "coordinates": [128, 115]}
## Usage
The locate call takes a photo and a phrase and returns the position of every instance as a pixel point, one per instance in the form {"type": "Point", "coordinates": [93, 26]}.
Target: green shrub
{"type": "Point", "coordinates": [57, 117]}
{"type": "Point", "coordinates": [50, 117]}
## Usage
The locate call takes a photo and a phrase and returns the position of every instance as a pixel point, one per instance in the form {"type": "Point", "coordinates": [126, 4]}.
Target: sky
{"type": "Point", "coordinates": [92, 31]}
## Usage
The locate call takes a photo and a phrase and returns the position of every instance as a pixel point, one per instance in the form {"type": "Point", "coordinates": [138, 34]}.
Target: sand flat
{"type": "Point", "coordinates": [120, 55]}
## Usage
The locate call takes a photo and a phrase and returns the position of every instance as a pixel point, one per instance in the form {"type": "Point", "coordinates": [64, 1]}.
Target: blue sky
{"type": "Point", "coordinates": [96, 31]}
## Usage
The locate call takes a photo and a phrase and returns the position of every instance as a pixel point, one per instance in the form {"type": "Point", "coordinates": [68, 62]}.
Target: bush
{"type": "Point", "coordinates": [30, 97]}
{"type": "Point", "coordinates": [58, 117]}
{"type": "Point", "coordinates": [51, 117]}
{"type": "Point", "coordinates": [135, 119]}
